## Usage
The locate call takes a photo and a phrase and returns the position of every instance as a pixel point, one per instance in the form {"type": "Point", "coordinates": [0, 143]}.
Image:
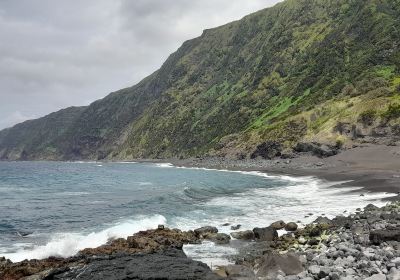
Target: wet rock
{"type": "Point", "coordinates": [265, 234]}
{"type": "Point", "coordinates": [236, 227]}
{"type": "Point", "coordinates": [218, 238]}
{"type": "Point", "coordinates": [291, 226]}
{"type": "Point", "coordinates": [200, 232]}
{"type": "Point", "coordinates": [243, 235]}
{"type": "Point", "coordinates": [278, 225]}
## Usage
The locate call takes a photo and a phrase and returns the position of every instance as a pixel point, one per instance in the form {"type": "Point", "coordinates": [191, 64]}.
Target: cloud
{"type": "Point", "coordinates": [55, 54]}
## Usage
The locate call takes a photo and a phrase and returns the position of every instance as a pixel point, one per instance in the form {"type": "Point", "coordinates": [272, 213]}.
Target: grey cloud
{"type": "Point", "coordinates": [55, 54]}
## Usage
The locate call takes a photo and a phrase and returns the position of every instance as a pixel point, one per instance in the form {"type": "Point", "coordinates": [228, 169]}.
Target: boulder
{"type": "Point", "coordinates": [291, 226]}
{"type": "Point", "coordinates": [236, 227]}
{"type": "Point", "coordinates": [316, 149]}
{"type": "Point", "coordinates": [200, 232]}
{"type": "Point", "coordinates": [243, 235]}
{"type": "Point", "coordinates": [218, 238]}
{"type": "Point", "coordinates": [389, 234]}
{"type": "Point", "coordinates": [377, 277]}
{"type": "Point", "coordinates": [265, 234]}
{"type": "Point", "coordinates": [274, 264]}
{"type": "Point", "coordinates": [239, 272]}
{"type": "Point", "coordinates": [278, 225]}
{"type": "Point", "coordinates": [267, 150]}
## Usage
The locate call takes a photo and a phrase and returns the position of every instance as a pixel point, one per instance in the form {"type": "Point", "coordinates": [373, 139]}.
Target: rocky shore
{"type": "Point", "coordinates": [363, 245]}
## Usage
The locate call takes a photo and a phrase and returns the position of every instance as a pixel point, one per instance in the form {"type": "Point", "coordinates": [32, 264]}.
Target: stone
{"type": "Point", "coordinates": [200, 232]}
{"type": "Point", "coordinates": [314, 269]}
{"type": "Point", "coordinates": [272, 264]}
{"type": "Point", "coordinates": [278, 225]}
{"type": "Point", "coordinates": [379, 236]}
{"type": "Point", "coordinates": [236, 227]}
{"type": "Point", "coordinates": [243, 235]}
{"type": "Point", "coordinates": [377, 277]}
{"type": "Point", "coordinates": [291, 226]}
{"type": "Point", "coordinates": [265, 234]}
{"type": "Point", "coordinates": [239, 271]}
{"type": "Point", "coordinates": [218, 238]}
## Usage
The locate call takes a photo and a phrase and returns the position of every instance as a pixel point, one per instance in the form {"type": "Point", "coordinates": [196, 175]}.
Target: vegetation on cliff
{"type": "Point", "coordinates": [299, 71]}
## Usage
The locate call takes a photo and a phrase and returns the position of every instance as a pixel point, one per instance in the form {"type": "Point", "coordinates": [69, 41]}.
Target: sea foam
{"type": "Point", "coordinates": [68, 244]}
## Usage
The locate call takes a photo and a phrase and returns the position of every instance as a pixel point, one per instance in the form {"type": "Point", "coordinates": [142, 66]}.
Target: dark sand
{"type": "Point", "coordinates": [375, 168]}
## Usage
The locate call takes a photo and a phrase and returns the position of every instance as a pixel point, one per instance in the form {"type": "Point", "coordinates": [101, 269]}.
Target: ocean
{"type": "Point", "coordinates": [58, 208]}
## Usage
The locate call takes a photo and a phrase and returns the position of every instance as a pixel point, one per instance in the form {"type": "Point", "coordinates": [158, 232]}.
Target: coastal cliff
{"type": "Point", "coordinates": [303, 75]}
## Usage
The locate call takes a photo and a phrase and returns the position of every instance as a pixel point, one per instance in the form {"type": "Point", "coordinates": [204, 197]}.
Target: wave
{"type": "Point", "coordinates": [68, 244]}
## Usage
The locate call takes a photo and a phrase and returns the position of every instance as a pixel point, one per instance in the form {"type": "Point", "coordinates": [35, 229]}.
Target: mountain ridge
{"type": "Point", "coordinates": [280, 75]}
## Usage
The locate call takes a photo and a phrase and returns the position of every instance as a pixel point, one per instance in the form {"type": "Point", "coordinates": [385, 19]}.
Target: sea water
{"type": "Point", "coordinates": [58, 208]}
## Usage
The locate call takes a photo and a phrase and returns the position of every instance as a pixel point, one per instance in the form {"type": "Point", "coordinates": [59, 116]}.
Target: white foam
{"type": "Point", "coordinates": [164, 165]}
{"type": "Point", "coordinates": [68, 244]}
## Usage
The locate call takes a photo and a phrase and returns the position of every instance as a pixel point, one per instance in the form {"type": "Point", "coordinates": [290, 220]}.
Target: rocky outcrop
{"type": "Point", "coordinates": [267, 150]}
{"type": "Point", "coordinates": [243, 235]}
{"type": "Point", "coordinates": [316, 149]}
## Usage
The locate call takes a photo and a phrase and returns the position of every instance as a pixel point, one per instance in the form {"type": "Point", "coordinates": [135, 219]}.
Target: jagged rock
{"type": "Point", "coordinates": [291, 226]}
{"type": "Point", "coordinates": [205, 230]}
{"type": "Point", "coordinates": [278, 225]}
{"type": "Point", "coordinates": [272, 264]}
{"type": "Point", "coordinates": [265, 234]}
{"type": "Point", "coordinates": [243, 235]}
{"type": "Point", "coordinates": [316, 149]}
{"type": "Point", "coordinates": [172, 264]}
{"type": "Point", "coordinates": [267, 150]}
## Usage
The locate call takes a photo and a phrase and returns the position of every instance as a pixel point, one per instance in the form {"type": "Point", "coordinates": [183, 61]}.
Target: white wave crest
{"type": "Point", "coordinates": [68, 244]}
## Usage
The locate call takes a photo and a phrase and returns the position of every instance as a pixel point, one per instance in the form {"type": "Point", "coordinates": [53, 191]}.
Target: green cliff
{"type": "Point", "coordinates": [304, 70]}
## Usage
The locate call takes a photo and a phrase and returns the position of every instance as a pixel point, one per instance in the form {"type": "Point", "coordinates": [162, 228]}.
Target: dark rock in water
{"type": "Point", "coordinates": [160, 227]}
{"type": "Point", "coordinates": [265, 234]}
{"type": "Point", "coordinates": [267, 150]}
{"type": "Point", "coordinates": [273, 264]}
{"type": "Point", "coordinates": [218, 238]}
{"type": "Point", "coordinates": [243, 235]}
{"type": "Point", "coordinates": [205, 230]}
{"type": "Point", "coordinates": [371, 207]}
{"type": "Point", "coordinates": [172, 264]}
{"type": "Point", "coordinates": [226, 224]}
{"type": "Point", "coordinates": [291, 226]}
{"type": "Point", "coordinates": [316, 149]}
{"type": "Point", "coordinates": [23, 233]}
{"type": "Point", "coordinates": [379, 236]}
{"type": "Point", "coordinates": [236, 227]}
{"type": "Point", "coordinates": [278, 225]}
{"type": "Point", "coordinates": [239, 272]}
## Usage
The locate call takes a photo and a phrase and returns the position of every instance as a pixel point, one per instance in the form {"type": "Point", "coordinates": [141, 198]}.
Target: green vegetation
{"type": "Point", "coordinates": [286, 73]}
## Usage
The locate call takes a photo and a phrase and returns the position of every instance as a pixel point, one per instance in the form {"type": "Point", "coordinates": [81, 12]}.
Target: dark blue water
{"type": "Point", "coordinates": [58, 208]}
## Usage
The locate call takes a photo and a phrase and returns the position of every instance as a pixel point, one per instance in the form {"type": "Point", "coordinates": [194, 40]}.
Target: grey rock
{"type": "Point", "coordinates": [291, 226]}
{"type": "Point", "coordinates": [265, 234]}
{"type": "Point", "coordinates": [278, 225]}
{"type": "Point", "coordinates": [200, 232]}
{"type": "Point", "coordinates": [239, 272]}
{"type": "Point", "coordinates": [377, 277]}
{"type": "Point", "coordinates": [272, 264]}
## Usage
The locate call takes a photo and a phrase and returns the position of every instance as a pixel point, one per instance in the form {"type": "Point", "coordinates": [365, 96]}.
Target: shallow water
{"type": "Point", "coordinates": [63, 207]}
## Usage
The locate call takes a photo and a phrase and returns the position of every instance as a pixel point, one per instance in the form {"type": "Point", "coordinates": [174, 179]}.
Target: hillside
{"type": "Point", "coordinates": [304, 70]}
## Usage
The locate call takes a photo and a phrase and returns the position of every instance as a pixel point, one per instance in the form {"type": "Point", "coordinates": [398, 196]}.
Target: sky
{"type": "Point", "coordinates": [56, 54]}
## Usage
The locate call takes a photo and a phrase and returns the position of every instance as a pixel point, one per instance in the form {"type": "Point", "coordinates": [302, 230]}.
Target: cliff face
{"type": "Point", "coordinates": [289, 73]}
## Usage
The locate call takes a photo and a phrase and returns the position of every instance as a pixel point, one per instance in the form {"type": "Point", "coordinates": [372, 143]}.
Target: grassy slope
{"type": "Point", "coordinates": [284, 73]}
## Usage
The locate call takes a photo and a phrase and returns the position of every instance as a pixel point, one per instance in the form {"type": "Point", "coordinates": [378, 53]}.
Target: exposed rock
{"type": "Point", "coordinates": [205, 230]}
{"type": "Point", "coordinates": [265, 234]}
{"type": "Point", "coordinates": [236, 227]}
{"type": "Point", "coordinates": [243, 235]}
{"type": "Point", "coordinates": [316, 149]}
{"type": "Point", "coordinates": [379, 236]}
{"type": "Point", "coordinates": [172, 264]}
{"type": "Point", "coordinates": [218, 238]}
{"type": "Point", "coordinates": [291, 226]}
{"type": "Point", "coordinates": [239, 272]}
{"type": "Point", "coordinates": [267, 150]}
{"type": "Point", "coordinates": [377, 277]}
{"type": "Point", "coordinates": [278, 225]}
{"type": "Point", "coordinates": [273, 264]}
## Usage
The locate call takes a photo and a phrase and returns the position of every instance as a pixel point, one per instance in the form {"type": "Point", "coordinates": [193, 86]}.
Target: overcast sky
{"type": "Point", "coordinates": [55, 54]}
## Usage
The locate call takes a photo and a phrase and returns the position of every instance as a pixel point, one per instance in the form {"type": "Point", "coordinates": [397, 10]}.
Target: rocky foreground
{"type": "Point", "coordinates": [365, 245]}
